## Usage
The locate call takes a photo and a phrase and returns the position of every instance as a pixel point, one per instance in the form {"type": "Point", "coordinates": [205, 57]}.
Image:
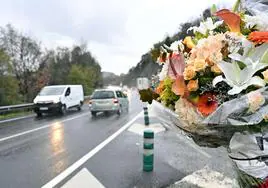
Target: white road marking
{"type": "Point", "coordinates": [86, 157]}
{"type": "Point", "coordinates": [18, 118]}
{"type": "Point", "coordinates": [83, 179]}
{"type": "Point", "coordinates": [140, 128]}
{"type": "Point", "coordinates": [42, 127]}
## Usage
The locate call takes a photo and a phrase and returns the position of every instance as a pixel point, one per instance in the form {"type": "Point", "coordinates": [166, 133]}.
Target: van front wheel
{"type": "Point", "coordinates": [63, 110]}
{"type": "Point", "coordinates": [79, 107]}
{"type": "Point", "coordinates": [39, 114]}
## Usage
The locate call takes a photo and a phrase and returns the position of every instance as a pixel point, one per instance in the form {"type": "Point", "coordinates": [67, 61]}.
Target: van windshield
{"type": "Point", "coordinates": [51, 91]}
{"type": "Point", "coordinates": [103, 95]}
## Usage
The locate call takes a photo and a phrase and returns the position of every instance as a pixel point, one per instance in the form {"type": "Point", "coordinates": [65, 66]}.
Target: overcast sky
{"type": "Point", "coordinates": [117, 32]}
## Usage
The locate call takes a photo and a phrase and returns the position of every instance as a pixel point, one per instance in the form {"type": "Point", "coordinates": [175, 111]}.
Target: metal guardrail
{"type": "Point", "coordinates": [16, 107]}
{"type": "Point", "coordinates": [5, 109]}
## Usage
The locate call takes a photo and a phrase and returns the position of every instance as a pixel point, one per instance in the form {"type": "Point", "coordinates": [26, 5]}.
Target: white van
{"type": "Point", "coordinates": [58, 98]}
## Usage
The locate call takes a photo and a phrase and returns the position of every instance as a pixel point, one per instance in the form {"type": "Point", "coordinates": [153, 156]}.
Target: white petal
{"type": "Point", "coordinates": [236, 57]}
{"type": "Point", "coordinates": [235, 90]}
{"type": "Point", "coordinates": [216, 80]}
{"type": "Point", "coordinates": [218, 23]}
{"type": "Point", "coordinates": [230, 71]}
{"type": "Point", "coordinates": [257, 81]}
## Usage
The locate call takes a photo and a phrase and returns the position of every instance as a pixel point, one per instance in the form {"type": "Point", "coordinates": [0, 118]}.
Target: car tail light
{"type": "Point", "coordinates": [115, 101]}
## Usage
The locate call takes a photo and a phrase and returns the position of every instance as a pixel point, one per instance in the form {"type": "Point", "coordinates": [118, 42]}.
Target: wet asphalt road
{"type": "Point", "coordinates": [33, 151]}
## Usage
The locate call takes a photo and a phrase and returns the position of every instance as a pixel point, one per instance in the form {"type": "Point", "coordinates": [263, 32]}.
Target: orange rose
{"type": "Point", "coordinates": [189, 72]}
{"type": "Point", "coordinates": [200, 64]}
{"type": "Point", "coordinates": [216, 69]}
{"type": "Point", "coordinates": [192, 85]}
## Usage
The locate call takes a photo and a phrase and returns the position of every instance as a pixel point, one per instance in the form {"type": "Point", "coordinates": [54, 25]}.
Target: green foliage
{"type": "Point", "coordinates": [82, 75]}
{"type": "Point", "coordinates": [8, 83]}
{"type": "Point", "coordinates": [167, 96]}
{"type": "Point", "coordinates": [25, 68]}
{"type": "Point", "coordinates": [63, 61]}
{"type": "Point", "coordinates": [199, 36]}
{"type": "Point", "coordinates": [9, 90]}
{"type": "Point", "coordinates": [213, 9]}
{"type": "Point", "coordinates": [25, 55]}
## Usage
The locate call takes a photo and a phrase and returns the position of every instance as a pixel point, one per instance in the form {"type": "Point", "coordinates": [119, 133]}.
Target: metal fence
{"type": "Point", "coordinates": [27, 106]}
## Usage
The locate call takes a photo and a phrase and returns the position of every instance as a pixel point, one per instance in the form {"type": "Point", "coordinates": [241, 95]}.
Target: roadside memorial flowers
{"type": "Point", "coordinates": [218, 77]}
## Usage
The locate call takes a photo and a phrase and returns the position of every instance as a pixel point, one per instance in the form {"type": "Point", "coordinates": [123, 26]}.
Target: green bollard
{"type": "Point", "coordinates": [146, 116]}
{"type": "Point", "coordinates": [148, 153]}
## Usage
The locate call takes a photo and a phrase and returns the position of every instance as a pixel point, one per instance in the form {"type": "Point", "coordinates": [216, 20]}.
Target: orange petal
{"type": "Point", "coordinates": [258, 36]}
{"type": "Point", "coordinates": [231, 19]}
{"type": "Point", "coordinates": [160, 87]}
{"type": "Point", "coordinates": [179, 87]}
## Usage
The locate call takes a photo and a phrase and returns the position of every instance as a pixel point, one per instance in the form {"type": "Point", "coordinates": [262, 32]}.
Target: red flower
{"type": "Point", "coordinates": [264, 185]}
{"type": "Point", "coordinates": [258, 36]}
{"type": "Point", "coordinates": [207, 104]}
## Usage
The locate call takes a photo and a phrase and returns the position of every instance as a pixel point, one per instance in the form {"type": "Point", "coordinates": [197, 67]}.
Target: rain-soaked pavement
{"type": "Point", "coordinates": [78, 150]}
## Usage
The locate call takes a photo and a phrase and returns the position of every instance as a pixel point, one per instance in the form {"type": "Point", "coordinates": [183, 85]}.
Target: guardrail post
{"type": "Point", "coordinates": [148, 153]}
{"type": "Point", "coordinates": [146, 115]}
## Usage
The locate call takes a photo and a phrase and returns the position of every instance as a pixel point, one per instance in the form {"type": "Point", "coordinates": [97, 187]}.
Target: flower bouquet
{"type": "Point", "coordinates": [218, 77]}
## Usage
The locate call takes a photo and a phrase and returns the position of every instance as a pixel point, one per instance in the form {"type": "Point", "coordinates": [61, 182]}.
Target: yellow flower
{"type": "Point", "coordinates": [216, 69]}
{"type": "Point", "coordinates": [189, 42]}
{"type": "Point", "coordinates": [200, 64]}
{"type": "Point", "coordinates": [189, 72]}
{"type": "Point", "coordinates": [265, 75]}
{"type": "Point", "coordinates": [193, 85]}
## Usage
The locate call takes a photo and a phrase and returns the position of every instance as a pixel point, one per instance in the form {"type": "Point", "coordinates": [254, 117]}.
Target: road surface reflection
{"type": "Point", "coordinates": [58, 147]}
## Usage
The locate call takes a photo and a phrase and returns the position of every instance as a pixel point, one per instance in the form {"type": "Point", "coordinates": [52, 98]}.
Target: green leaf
{"type": "Point", "coordinates": [213, 9]}
{"type": "Point", "coordinates": [264, 58]}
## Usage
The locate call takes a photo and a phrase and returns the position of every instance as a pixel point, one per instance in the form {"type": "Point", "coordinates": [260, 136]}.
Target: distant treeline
{"type": "Point", "coordinates": [25, 67]}
{"type": "Point", "coordinates": [147, 65]}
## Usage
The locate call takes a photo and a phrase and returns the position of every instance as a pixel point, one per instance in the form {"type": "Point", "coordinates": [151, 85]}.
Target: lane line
{"type": "Point", "coordinates": [18, 118]}
{"type": "Point", "coordinates": [90, 154]}
{"type": "Point", "coordinates": [42, 127]}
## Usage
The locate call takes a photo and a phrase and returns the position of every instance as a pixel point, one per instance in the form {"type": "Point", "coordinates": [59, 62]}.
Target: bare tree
{"type": "Point", "coordinates": [25, 54]}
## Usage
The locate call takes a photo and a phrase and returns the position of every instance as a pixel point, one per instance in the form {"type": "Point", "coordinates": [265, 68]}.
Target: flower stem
{"type": "Point", "coordinates": [236, 5]}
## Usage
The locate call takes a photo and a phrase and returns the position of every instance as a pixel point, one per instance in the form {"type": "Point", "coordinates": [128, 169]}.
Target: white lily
{"type": "Point", "coordinates": [206, 26]}
{"type": "Point", "coordinates": [240, 79]}
{"type": "Point", "coordinates": [251, 55]}
{"type": "Point", "coordinates": [260, 21]}
{"type": "Point", "coordinates": [177, 45]}
{"type": "Point", "coordinates": [164, 72]}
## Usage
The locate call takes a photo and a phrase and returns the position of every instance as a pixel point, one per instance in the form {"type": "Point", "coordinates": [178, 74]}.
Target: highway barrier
{"type": "Point", "coordinates": [146, 116]}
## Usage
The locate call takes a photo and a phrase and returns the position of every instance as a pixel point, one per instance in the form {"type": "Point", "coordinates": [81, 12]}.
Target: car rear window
{"type": "Point", "coordinates": [103, 95]}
